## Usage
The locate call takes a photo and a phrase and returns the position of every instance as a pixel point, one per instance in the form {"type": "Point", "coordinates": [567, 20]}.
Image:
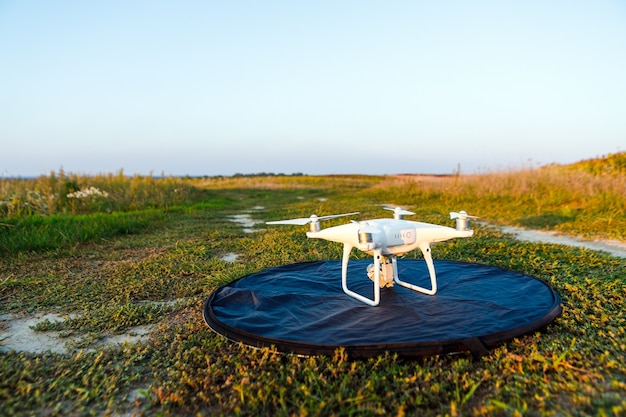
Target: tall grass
{"type": "Point", "coordinates": [586, 199]}
{"type": "Point", "coordinates": [66, 193]}
{"type": "Point", "coordinates": [63, 209]}
{"type": "Point", "coordinates": [614, 164]}
{"type": "Point", "coordinates": [568, 200]}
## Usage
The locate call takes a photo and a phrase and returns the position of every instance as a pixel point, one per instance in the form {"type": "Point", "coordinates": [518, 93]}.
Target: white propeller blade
{"type": "Point", "coordinates": [334, 216]}
{"type": "Point", "coordinates": [306, 220]}
{"type": "Point", "coordinates": [399, 210]}
{"type": "Point", "coordinates": [461, 215]}
{"type": "Point", "coordinates": [302, 221]}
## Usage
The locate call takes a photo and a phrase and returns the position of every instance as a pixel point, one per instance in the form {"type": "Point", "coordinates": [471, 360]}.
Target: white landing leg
{"type": "Point", "coordinates": [344, 277]}
{"type": "Point", "coordinates": [431, 271]}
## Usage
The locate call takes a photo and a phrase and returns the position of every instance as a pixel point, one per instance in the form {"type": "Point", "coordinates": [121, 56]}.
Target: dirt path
{"type": "Point", "coordinates": [613, 247]}
{"type": "Point", "coordinates": [16, 333]}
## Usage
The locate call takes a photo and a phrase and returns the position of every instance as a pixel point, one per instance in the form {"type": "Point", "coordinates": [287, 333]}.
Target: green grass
{"type": "Point", "coordinates": [37, 233]}
{"type": "Point", "coordinates": [107, 278]}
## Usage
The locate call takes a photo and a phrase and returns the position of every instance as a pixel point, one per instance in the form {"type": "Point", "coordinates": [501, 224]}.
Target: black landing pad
{"type": "Point", "coordinates": [302, 309]}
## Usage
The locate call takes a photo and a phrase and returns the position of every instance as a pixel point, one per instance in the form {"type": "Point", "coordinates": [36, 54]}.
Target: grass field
{"type": "Point", "coordinates": [110, 253]}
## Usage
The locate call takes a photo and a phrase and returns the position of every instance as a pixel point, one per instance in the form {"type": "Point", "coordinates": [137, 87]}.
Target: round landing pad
{"type": "Point", "coordinates": [302, 309]}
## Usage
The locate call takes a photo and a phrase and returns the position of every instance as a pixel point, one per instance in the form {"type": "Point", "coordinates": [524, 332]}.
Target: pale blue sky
{"type": "Point", "coordinates": [319, 87]}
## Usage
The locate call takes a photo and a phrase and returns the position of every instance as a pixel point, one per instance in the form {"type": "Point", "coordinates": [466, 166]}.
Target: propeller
{"type": "Point", "coordinates": [313, 220]}
{"type": "Point", "coordinates": [398, 212]}
{"type": "Point", "coordinates": [461, 215]}
{"type": "Point", "coordinates": [365, 234]}
{"type": "Point", "coordinates": [462, 220]}
{"type": "Point", "coordinates": [367, 228]}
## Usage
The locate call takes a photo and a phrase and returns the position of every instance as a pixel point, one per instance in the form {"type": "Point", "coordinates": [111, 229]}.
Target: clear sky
{"type": "Point", "coordinates": [318, 87]}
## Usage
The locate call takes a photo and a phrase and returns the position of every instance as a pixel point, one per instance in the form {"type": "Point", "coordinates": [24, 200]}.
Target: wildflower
{"type": "Point", "coordinates": [88, 192]}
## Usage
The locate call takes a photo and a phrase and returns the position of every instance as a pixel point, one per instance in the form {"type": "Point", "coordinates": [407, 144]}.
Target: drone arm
{"type": "Point", "coordinates": [347, 248]}
{"type": "Point", "coordinates": [425, 248]}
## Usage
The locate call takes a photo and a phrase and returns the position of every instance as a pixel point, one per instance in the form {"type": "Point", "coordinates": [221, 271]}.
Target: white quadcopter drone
{"type": "Point", "coordinates": [385, 239]}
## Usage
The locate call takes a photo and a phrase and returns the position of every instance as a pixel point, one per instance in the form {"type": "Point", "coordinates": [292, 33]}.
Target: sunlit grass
{"type": "Point", "coordinates": [66, 193]}
{"type": "Point", "coordinates": [161, 268]}
{"type": "Point", "coordinates": [566, 199]}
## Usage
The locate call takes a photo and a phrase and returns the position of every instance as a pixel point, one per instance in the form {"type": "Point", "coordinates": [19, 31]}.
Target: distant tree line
{"type": "Point", "coordinates": [260, 174]}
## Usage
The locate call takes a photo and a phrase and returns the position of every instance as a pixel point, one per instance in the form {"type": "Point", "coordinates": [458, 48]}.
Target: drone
{"type": "Point", "coordinates": [385, 239]}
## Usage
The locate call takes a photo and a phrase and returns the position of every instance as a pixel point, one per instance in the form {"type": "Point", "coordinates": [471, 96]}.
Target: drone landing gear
{"type": "Point", "coordinates": [344, 276]}
{"type": "Point", "coordinates": [384, 274]}
{"type": "Point", "coordinates": [431, 271]}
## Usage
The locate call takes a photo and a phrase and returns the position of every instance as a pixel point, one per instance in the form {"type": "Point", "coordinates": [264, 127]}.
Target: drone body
{"type": "Point", "coordinates": [385, 240]}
